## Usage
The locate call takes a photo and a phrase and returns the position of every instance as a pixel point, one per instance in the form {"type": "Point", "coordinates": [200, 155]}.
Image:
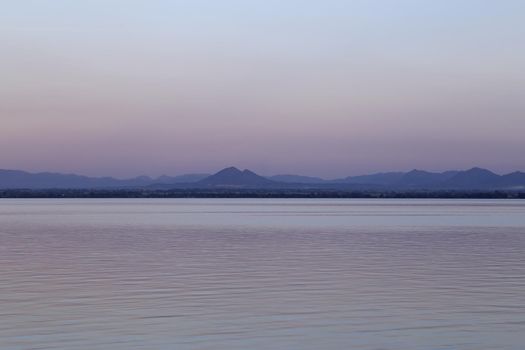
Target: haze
{"type": "Point", "coordinates": [327, 88]}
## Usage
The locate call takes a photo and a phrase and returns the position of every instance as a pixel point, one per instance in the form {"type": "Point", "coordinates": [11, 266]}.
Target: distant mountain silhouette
{"type": "Point", "coordinates": [233, 177]}
{"type": "Point", "coordinates": [515, 180]}
{"type": "Point", "coordinates": [373, 179]}
{"type": "Point", "coordinates": [22, 179]}
{"type": "Point", "coordinates": [475, 178]}
{"type": "Point", "coordinates": [420, 179]}
{"type": "Point", "coordinates": [472, 179]}
{"type": "Point", "coordinates": [186, 178]}
{"type": "Point", "coordinates": [298, 179]}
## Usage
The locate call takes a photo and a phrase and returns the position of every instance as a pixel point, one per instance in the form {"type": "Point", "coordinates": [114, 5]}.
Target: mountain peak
{"type": "Point", "coordinates": [233, 177]}
{"type": "Point", "coordinates": [474, 178]}
{"type": "Point", "coordinates": [479, 170]}
{"type": "Point", "coordinates": [229, 170]}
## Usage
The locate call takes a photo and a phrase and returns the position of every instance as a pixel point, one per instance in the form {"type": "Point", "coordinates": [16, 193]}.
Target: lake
{"type": "Point", "coordinates": [250, 274]}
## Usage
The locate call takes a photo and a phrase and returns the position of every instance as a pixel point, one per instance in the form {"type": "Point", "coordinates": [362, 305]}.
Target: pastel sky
{"type": "Point", "coordinates": [328, 88]}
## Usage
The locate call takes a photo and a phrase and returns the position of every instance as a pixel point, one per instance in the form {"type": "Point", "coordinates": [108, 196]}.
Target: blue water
{"type": "Point", "coordinates": [262, 274]}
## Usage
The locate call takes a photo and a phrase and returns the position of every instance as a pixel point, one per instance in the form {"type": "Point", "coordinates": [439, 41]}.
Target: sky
{"type": "Point", "coordinates": [327, 88]}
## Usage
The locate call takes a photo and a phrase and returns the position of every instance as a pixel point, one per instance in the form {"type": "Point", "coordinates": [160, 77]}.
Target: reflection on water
{"type": "Point", "coordinates": [262, 274]}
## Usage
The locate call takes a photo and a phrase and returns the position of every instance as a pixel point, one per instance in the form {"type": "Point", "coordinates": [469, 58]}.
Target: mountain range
{"type": "Point", "coordinates": [233, 178]}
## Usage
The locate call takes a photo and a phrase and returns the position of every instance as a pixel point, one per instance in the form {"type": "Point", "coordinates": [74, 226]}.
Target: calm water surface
{"type": "Point", "coordinates": [262, 274]}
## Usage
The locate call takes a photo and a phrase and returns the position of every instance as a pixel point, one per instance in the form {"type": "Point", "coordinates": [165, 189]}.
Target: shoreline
{"type": "Point", "coordinates": [255, 193]}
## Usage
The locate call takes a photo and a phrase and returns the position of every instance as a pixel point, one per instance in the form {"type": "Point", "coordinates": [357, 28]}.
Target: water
{"type": "Point", "coordinates": [262, 274]}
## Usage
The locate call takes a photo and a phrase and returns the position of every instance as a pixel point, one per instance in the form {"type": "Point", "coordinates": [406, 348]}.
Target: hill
{"type": "Point", "coordinates": [233, 177]}
{"type": "Point", "coordinates": [475, 179]}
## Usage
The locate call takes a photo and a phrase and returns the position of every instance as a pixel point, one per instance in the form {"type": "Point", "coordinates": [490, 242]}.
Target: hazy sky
{"type": "Point", "coordinates": [326, 87]}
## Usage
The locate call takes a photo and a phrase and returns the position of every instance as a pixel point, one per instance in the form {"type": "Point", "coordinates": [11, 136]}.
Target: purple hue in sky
{"type": "Point", "coordinates": [328, 88]}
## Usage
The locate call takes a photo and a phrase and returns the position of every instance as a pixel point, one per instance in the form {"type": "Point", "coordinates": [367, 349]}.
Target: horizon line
{"type": "Point", "coordinates": [265, 175]}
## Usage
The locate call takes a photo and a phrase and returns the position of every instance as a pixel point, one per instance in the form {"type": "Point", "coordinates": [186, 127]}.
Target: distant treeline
{"type": "Point", "coordinates": [252, 193]}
